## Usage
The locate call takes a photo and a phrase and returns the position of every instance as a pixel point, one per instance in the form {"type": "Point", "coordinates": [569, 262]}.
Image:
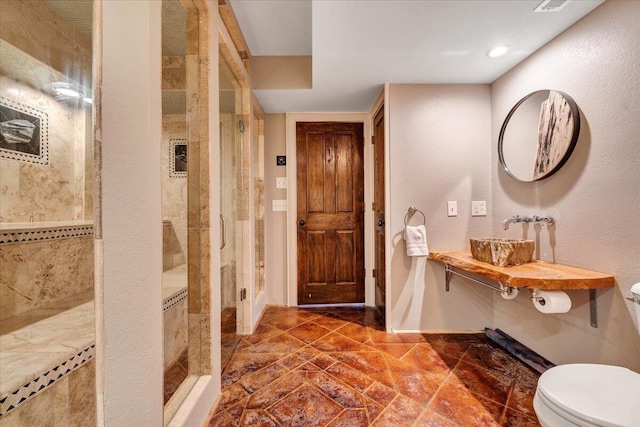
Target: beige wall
{"type": "Point", "coordinates": [595, 197]}
{"type": "Point", "coordinates": [281, 72]}
{"type": "Point", "coordinates": [275, 222]}
{"type": "Point", "coordinates": [129, 238]}
{"type": "Point", "coordinates": [439, 151]}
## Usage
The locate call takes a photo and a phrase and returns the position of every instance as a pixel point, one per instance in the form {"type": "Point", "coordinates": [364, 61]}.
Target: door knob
{"type": "Point", "coordinates": [302, 223]}
{"type": "Point", "coordinates": [380, 222]}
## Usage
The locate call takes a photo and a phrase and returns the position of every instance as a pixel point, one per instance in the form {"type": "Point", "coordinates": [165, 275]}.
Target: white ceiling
{"type": "Point", "coordinates": [358, 45]}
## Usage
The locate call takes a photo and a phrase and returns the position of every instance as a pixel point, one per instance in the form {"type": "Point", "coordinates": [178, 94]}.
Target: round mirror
{"type": "Point", "coordinates": [538, 135]}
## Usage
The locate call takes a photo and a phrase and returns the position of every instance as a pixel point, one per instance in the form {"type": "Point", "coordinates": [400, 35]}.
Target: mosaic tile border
{"type": "Point", "coordinates": [13, 399]}
{"type": "Point", "coordinates": [39, 159]}
{"type": "Point", "coordinates": [175, 299]}
{"type": "Point", "coordinates": [36, 235]}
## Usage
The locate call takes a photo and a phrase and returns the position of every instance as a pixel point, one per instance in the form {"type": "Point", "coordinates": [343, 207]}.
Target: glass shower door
{"type": "Point", "coordinates": [233, 209]}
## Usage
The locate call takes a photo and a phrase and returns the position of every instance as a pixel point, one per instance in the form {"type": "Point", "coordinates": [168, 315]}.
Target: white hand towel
{"type": "Point", "coordinates": [416, 240]}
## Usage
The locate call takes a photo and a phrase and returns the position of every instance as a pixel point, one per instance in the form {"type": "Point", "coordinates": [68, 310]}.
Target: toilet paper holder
{"type": "Point", "coordinates": [505, 289]}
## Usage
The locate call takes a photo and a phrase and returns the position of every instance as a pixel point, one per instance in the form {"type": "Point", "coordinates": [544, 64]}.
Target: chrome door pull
{"type": "Point", "coordinates": [223, 231]}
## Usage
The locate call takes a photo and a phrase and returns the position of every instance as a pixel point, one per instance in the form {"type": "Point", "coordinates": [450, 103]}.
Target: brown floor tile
{"type": "Point", "coordinates": [459, 405]}
{"type": "Point", "coordinates": [330, 321]}
{"type": "Point", "coordinates": [350, 418]}
{"type": "Point", "coordinates": [334, 368]}
{"type": "Point", "coordinates": [411, 382]}
{"type": "Point", "coordinates": [242, 364]}
{"type": "Point", "coordinates": [381, 393]}
{"type": "Point", "coordinates": [369, 363]}
{"type": "Point", "coordinates": [275, 391]}
{"type": "Point", "coordinates": [263, 331]}
{"type": "Point", "coordinates": [485, 382]}
{"type": "Point", "coordinates": [432, 419]}
{"type": "Point", "coordinates": [308, 332]}
{"type": "Point", "coordinates": [355, 331]}
{"type": "Point", "coordinates": [424, 357]}
{"type": "Point", "coordinates": [351, 376]}
{"type": "Point", "coordinates": [373, 409]}
{"type": "Point", "coordinates": [340, 392]}
{"type": "Point", "coordinates": [385, 338]}
{"type": "Point", "coordinates": [283, 343]}
{"type": "Point", "coordinates": [396, 350]}
{"type": "Point", "coordinates": [335, 342]}
{"type": "Point", "coordinates": [390, 418]}
{"type": "Point", "coordinates": [255, 381]}
{"type": "Point", "coordinates": [305, 407]}
{"type": "Point", "coordinates": [173, 377]}
{"type": "Point", "coordinates": [323, 361]}
{"type": "Point", "coordinates": [256, 418]}
{"type": "Point", "coordinates": [488, 356]}
{"type": "Point", "coordinates": [221, 419]}
{"type": "Point", "coordinates": [513, 418]}
{"type": "Point", "coordinates": [405, 407]}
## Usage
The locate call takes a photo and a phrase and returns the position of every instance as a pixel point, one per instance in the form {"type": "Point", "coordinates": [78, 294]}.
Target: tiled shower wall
{"type": "Point", "coordinates": [42, 271]}
{"type": "Point", "coordinates": [174, 188]}
{"type": "Point", "coordinates": [68, 402]}
{"type": "Point", "coordinates": [57, 191]}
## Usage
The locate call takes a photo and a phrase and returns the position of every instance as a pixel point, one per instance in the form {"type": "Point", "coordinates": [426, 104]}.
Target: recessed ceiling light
{"type": "Point", "coordinates": [497, 51]}
{"type": "Point", "coordinates": [66, 89]}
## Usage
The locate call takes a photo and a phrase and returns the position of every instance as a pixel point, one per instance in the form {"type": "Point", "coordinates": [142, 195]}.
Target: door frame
{"type": "Point", "coordinates": [291, 296]}
{"type": "Point", "coordinates": [383, 101]}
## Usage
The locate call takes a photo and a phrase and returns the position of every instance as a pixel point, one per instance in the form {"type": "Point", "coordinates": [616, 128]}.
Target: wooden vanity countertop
{"type": "Point", "coordinates": [534, 275]}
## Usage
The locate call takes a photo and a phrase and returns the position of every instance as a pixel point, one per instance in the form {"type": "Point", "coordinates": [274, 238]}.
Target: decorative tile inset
{"type": "Point", "coordinates": [24, 132]}
{"type": "Point", "coordinates": [14, 398]}
{"type": "Point", "coordinates": [49, 233]}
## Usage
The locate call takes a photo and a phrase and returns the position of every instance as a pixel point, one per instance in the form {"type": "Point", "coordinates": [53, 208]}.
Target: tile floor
{"type": "Point", "coordinates": [175, 374]}
{"type": "Point", "coordinates": [305, 367]}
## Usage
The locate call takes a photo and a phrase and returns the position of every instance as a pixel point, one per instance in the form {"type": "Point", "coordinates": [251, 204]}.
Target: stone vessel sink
{"type": "Point", "coordinates": [502, 252]}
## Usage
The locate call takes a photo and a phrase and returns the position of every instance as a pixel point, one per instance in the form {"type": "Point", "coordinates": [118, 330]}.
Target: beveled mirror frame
{"type": "Point", "coordinates": [575, 132]}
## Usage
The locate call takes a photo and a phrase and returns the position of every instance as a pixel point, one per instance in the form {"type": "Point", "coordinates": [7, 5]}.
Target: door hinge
{"type": "Point", "coordinates": [243, 294]}
{"type": "Point", "coordinates": [374, 273]}
{"type": "Point", "coordinates": [373, 139]}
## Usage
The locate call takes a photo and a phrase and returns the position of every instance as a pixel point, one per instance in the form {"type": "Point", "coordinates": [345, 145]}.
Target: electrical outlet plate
{"type": "Point", "coordinates": [278, 205]}
{"type": "Point", "coordinates": [452, 208]}
{"type": "Point", "coordinates": [478, 208]}
{"type": "Point", "coordinates": [281, 182]}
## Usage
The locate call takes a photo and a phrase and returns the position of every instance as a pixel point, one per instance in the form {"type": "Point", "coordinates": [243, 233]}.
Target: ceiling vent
{"type": "Point", "coordinates": [551, 6]}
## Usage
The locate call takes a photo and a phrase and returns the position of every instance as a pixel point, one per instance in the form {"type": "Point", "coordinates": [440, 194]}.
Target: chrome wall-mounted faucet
{"type": "Point", "coordinates": [536, 219]}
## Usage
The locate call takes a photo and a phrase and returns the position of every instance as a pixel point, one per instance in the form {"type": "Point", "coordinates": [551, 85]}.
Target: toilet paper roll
{"type": "Point", "coordinates": [549, 302]}
{"type": "Point", "coordinates": [508, 295]}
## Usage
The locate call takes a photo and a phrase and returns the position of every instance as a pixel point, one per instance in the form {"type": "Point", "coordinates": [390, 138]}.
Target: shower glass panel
{"type": "Point", "coordinates": [46, 212]}
{"type": "Point", "coordinates": [181, 278]}
{"type": "Point", "coordinates": [174, 196]}
{"type": "Point", "coordinates": [258, 192]}
{"type": "Point", "coordinates": [233, 208]}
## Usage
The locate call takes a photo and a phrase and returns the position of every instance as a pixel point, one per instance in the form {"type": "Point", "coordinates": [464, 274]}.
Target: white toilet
{"type": "Point", "coordinates": [589, 395]}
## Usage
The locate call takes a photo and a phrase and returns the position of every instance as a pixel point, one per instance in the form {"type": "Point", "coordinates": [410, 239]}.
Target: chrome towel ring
{"type": "Point", "coordinates": [412, 210]}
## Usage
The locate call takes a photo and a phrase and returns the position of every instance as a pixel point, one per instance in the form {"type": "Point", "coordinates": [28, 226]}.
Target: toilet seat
{"type": "Point", "coordinates": [592, 395]}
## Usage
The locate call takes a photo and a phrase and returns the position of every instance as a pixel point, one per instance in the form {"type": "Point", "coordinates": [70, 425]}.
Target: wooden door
{"type": "Point", "coordinates": [330, 189]}
{"type": "Point", "coordinates": [378, 213]}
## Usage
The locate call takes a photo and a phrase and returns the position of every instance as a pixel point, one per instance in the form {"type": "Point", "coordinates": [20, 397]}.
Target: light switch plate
{"type": "Point", "coordinates": [278, 205]}
{"type": "Point", "coordinates": [281, 182]}
{"type": "Point", "coordinates": [452, 208]}
{"type": "Point", "coordinates": [478, 208]}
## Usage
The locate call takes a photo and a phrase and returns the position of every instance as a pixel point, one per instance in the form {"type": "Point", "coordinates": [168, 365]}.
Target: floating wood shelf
{"type": "Point", "coordinates": [535, 275]}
